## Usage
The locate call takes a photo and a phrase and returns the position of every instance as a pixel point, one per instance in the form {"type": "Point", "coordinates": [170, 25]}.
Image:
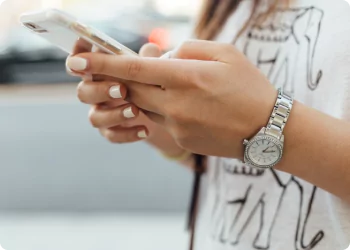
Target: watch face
{"type": "Point", "coordinates": [264, 152]}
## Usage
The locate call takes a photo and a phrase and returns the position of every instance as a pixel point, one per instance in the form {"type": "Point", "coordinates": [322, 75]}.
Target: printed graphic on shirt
{"type": "Point", "coordinates": [274, 45]}
{"type": "Point", "coordinates": [231, 216]}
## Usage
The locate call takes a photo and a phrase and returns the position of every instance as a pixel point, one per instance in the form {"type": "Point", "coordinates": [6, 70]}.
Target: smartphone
{"type": "Point", "coordinates": [66, 32]}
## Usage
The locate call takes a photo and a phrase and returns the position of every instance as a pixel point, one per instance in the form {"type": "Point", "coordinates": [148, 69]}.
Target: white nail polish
{"type": "Point", "coordinates": [142, 134]}
{"type": "Point", "coordinates": [114, 92]}
{"type": "Point", "coordinates": [77, 63]}
{"type": "Point", "coordinates": [128, 113]}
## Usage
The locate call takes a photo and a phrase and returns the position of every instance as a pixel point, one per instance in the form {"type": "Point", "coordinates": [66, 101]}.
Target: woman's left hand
{"type": "Point", "coordinates": [208, 95]}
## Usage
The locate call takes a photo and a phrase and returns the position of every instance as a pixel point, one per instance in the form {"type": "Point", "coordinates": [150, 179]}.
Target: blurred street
{"type": "Point", "coordinates": [91, 232]}
{"type": "Point", "coordinates": [63, 186]}
{"type": "Point", "coordinates": [27, 58]}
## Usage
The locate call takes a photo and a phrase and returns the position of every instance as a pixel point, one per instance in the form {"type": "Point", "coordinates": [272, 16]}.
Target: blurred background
{"type": "Point", "coordinates": [62, 186]}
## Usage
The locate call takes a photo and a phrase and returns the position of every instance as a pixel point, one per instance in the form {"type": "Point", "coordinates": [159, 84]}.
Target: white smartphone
{"type": "Point", "coordinates": [66, 32]}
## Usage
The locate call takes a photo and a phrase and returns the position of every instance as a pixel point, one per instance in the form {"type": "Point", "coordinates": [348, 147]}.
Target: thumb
{"type": "Point", "coordinates": [205, 50]}
{"type": "Point", "coordinates": [150, 50]}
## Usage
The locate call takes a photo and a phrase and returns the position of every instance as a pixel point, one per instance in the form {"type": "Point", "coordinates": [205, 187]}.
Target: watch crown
{"type": "Point", "coordinates": [245, 142]}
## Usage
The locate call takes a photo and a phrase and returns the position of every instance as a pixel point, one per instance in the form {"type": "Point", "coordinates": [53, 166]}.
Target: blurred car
{"type": "Point", "coordinates": [165, 31]}
{"type": "Point", "coordinates": [27, 58]}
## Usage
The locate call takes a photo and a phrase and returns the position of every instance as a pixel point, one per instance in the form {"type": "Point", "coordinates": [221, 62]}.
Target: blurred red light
{"type": "Point", "coordinates": [160, 37]}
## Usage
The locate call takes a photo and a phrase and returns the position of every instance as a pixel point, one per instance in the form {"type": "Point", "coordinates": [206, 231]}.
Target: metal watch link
{"type": "Point", "coordinates": [265, 149]}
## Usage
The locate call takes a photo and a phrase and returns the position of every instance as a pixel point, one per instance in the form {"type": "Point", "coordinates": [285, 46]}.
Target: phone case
{"type": "Point", "coordinates": [64, 31]}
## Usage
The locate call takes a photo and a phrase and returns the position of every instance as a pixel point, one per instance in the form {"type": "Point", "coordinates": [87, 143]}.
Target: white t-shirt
{"type": "Point", "coordinates": [306, 49]}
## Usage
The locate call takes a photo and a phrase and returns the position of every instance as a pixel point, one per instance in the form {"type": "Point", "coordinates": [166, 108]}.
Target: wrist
{"type": "Point", "coordinates": [257, 113]}
{"type": "Point", "coordinates": [266, 148]}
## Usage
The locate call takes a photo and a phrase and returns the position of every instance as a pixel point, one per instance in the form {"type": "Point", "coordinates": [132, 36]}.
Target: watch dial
{"type": "Point", "coordinates": [264, 152]}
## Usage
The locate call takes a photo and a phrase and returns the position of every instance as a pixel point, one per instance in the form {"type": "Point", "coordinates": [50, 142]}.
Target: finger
{"type": "Point", "coordinates": [147, 97]}
{"type": "Point", "coordinates": [107, 118]}
{"type": "Point", "coordinates": [83, 75]}
{"type": "Point", "coordinates": [70, 72]}
{"type": "Point", "coordinates": [104, 78]}
{"type": "Point", "coordinates": [162, 72]}
{"type": "Point", "coordinates": [99, 92]}
{"type": "Point", "coordinates": [125, 135]}
{"type": "Point", "coordinates": [150, 50]}
{"type": "Point", "coordinates": [203, 50]}
{"type": "Point", "coordinates": [81, 46]}
{"type": "Point", "coordinates": [112, 104]}
{"type": "Point", "coordinates": [100, 78]}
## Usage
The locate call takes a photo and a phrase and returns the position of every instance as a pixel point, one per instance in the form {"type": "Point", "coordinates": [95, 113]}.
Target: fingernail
{"type": "Point", "coordinates": [142, 134]}
{"type": "Point", "coordinates": [114, 92]}
{"type": "Point", "coordinates": [128, 113]}
{"type": "Point", "coordinates": [77, 63]}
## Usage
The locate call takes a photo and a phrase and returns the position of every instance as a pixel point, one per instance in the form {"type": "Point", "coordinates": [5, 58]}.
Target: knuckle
{"type": "Point", "coordinates": [134, 68]}
{"type": "Point", "coordinates": [100, 66]}
{"type": "Point", "coordinates": [92, 118]}
{"type": "Point", "coordinates": [112, 137]}
{"type": "Point", "coordinates": [81, 92]}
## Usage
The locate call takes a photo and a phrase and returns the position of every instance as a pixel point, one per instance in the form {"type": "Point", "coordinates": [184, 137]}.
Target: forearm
{"type": "Point", "coordinates": [317, 149]}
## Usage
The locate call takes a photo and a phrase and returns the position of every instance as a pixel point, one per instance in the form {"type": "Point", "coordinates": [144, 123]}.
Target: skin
{"type": "Point", "coordinates": [106, 112]}
{"type": "Point", "coordinates": [210, 98]}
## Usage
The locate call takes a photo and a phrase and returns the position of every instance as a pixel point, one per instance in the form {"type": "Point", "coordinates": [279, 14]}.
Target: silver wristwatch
{"type": "Point", "coordinates": [265, 149]}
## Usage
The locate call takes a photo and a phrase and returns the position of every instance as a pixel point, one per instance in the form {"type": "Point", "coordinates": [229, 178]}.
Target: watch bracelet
{"type": "Point", "coordinates": [280, 114]}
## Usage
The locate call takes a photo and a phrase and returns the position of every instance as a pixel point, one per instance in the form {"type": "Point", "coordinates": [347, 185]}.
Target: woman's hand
{"type": "Point", "coordinates": [208, 95]}
{"type": "Point", "coordinates": [210, 98]}
{"type": "Point", "coordinates": [118, 120]}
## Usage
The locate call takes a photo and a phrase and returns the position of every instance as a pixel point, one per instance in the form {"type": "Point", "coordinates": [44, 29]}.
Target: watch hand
{"type": "Point", "coordinates": [269, 151]}
{"type": "Point", "coordinates": [264, 151]}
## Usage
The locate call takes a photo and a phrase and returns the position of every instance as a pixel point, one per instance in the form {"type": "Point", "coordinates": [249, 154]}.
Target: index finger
{"type": "Point", "coordinates": [153, 71]}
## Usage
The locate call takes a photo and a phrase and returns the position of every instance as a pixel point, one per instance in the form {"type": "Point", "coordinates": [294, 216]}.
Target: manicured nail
{"type": "Point", "coordinates": [128, 113]}
{"type": "Point", "coordinates": [114, 92]}
{"type": "Point", "coordinates": [77, 63]}
{"type": "Point", "coordinates": [142, 134]}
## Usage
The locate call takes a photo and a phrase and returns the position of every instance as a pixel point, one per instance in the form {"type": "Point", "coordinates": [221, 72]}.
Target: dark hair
{"type": "Point", "coordinates": [215, 13]}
